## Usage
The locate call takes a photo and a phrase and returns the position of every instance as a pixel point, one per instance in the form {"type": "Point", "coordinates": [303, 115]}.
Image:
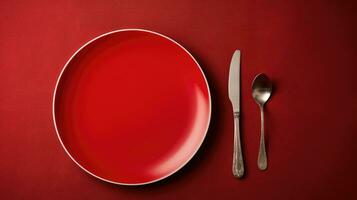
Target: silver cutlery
{"type": "Point", "coordinates": [262, 88]}
{"type": "Point", "coordinates": [234, 96]}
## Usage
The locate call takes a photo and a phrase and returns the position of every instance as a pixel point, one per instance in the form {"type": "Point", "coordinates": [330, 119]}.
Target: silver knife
{"type": "Point", "coordinates": [234, 95]}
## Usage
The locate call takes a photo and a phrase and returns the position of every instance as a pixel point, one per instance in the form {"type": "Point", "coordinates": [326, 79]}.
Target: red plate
{"type": "Point", "coordinates": [131, 107]}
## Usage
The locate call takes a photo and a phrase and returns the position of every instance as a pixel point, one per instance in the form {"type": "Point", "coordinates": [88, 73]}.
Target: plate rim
{"type": "Point", "coordinates": [93, 40]}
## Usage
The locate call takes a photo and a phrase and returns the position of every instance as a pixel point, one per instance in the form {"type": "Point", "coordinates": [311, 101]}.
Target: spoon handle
{"type": "Point", "coordinates": [238, 167]}
{"type": "Point", "coordinates": [262, 156]}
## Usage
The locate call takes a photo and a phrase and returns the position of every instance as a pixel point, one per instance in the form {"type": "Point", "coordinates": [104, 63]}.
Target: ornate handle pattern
{"type": "Point", "coordinates": [238, 166]}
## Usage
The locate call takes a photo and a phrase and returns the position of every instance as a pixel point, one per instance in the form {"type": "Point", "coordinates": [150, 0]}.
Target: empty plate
{"type": "Point", "coordinates": [131, 107]}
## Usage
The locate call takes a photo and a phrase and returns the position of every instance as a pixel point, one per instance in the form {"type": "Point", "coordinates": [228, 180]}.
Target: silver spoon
{"type": "Point", "coordinates": [262, 88]}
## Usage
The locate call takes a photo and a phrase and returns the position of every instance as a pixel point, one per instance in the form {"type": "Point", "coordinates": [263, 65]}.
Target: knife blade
{"type": "Point", "coordinates": [234, 83]}
{"type": "Point", "coordinates": [234, 96]}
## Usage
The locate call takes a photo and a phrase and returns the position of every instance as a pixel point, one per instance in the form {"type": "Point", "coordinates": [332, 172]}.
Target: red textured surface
{"type": "Point", "coordinates": [132, 107]}
{"type": "Point", "coordinates": [307, 48]}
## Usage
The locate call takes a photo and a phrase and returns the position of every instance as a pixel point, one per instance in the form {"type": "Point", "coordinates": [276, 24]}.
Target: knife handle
{"type": "Point", "coordinates": [238, 167]}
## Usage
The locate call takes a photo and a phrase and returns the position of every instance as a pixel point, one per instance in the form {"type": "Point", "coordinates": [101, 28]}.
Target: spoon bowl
{"type": "Point", "coordinates": [262, 88]}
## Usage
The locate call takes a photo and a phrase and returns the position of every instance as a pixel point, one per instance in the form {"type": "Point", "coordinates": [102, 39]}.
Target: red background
{"type": "Point", "coordinates": [308, 49]}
